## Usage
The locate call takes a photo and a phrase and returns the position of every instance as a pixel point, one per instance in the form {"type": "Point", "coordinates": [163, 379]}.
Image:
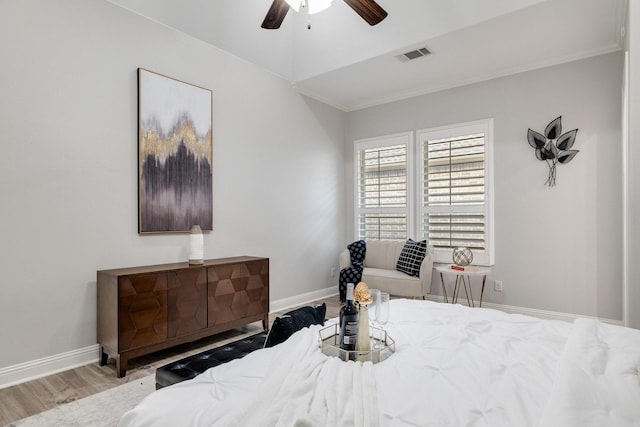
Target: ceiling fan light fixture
{"type": "Point", "coordinates": [294, 4]}
{"type": "Point", "coordinates": [313, 6]}
{"type": "Point", "coordinates": [368, 10]}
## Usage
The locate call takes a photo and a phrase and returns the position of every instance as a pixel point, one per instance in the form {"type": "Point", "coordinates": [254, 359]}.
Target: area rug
{"type": "Point", "coordinates": [99, 410]}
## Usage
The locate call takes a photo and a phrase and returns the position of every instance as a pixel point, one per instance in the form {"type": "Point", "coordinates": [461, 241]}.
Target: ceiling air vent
{"type": "Point", "coordinates": [414, 54]}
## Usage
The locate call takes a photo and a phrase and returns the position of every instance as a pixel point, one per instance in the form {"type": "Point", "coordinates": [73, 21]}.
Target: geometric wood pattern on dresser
{"type": "Point", "coordinates": [220, 294]}
{"type": "Point", "coordinates": [150, 308]}
{"type": "Point", "coordinates": [257, 287]}
{"type": "Point", "coordinates": [142, 310]}
{"type": "Point", "coordinates": [237, 291]}
{"type": "Point", "coordinates": [187, 301]}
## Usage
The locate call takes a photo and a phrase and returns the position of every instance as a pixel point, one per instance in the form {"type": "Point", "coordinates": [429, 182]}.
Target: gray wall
{"type": "Point", "coordinates": [68, 174]}
{"type": "Point", "coordinates": [68, 168]}
{"type": "Point", "coordinates": [557, 249]}
{"type": "Point", "coordinates": [633, 209]}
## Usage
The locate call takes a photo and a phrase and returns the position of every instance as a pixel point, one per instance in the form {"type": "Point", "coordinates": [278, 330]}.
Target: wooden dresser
{"type": "Point", "coordinates": [150, 308]}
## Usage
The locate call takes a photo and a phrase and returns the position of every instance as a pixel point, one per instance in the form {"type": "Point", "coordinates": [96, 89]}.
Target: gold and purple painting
{"type": "Point", "coordinates": [174, 155]}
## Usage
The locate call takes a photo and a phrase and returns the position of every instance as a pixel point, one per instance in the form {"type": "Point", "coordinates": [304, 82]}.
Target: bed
{"type": "Point", "coordinates": [453, 366]}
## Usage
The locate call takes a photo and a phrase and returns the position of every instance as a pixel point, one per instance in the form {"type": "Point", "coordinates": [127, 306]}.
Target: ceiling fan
{"type": "Point", "coordinates": [369, 10]}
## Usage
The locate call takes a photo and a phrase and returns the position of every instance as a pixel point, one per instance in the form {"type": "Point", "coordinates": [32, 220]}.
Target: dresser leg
{"type": "Point", "coordinates": [104, 357]}
{"type": "Point", "coordinates": [121, 366]}
{"type": "Point", "coordinates": [265, 322]}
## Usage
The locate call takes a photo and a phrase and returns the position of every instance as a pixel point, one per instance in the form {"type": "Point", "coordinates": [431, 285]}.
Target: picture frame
{"type": "Point", "coordinates": [175, 155]}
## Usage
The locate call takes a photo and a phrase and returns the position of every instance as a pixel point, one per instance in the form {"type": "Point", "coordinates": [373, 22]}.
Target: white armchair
{"type": "Point", "coordinates": [380, 270]}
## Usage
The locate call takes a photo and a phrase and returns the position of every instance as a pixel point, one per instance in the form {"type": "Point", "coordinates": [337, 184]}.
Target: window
{"type": "Point", "coordinates": [448, 200]}
{"type": "Point", "coordinates": [456, 188]}
{"type": "Point", "coordinates": [382, 181]}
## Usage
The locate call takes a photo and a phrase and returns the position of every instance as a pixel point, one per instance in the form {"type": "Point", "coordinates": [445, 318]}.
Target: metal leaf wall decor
{"type": "Point", "coordinates": [553, 147]}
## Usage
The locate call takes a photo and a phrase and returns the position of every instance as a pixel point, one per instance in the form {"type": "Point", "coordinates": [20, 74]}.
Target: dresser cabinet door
{"type": "Point", "coordinates": [142, 310]}
{"type": "Point", "coordinates": [258, 287]}
{"type": "Point", "coordinates": [187, 301]}
{"type": "Point", "coordinates": [238, 290]}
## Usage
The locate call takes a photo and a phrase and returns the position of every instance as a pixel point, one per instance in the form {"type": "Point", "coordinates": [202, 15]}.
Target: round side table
{"type": "Point", "coordinates": [463, 277]}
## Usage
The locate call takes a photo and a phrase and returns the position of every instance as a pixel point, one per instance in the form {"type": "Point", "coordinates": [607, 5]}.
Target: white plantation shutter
{"type": "Point", "coordinates": [447, 201]}
{"type": "Point", "coordinates": [382, 226]}
{"type": "Point", "coordinates": [382, 181]}
{"type": "Point", "coordinates": [456, 205]}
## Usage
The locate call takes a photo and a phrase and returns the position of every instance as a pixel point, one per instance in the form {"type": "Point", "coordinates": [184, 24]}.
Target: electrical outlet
{"type": "Point", "coordinates": [333, 272]}
{"type": "Point", "coordinates": [497, 285]}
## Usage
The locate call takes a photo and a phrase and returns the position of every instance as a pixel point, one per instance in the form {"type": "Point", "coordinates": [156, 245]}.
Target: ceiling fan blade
{"type": "Point", "coordinates": [275, 15]}
{"type": "Point", "coordinates": [369, 10]}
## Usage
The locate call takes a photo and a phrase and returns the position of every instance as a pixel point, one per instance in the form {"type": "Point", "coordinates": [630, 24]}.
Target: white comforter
{"type": "Point", "coordinates": [453, 366]}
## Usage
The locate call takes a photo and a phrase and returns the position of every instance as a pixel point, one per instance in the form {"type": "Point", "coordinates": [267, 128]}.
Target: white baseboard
{"type": "Point", "coordinates": [534, 312]}
{"type": "Point", "coordinates": [39, 368]}
{"type": "Point", "coordinates": [283, 304]}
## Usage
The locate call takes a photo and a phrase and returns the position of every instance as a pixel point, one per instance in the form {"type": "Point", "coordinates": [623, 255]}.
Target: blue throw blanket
{"type": "Point", "coordinates": [352, 274]}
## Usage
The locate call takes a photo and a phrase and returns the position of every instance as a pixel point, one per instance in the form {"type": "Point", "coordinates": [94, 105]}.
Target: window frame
{"type": "Point", "coordinates": [487, 208]}
{"type": "Point", "coordinates": [404, 138]}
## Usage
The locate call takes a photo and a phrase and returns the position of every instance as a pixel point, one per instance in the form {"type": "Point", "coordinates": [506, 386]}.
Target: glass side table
{"type": "Point", "coordinates": [463, 277]}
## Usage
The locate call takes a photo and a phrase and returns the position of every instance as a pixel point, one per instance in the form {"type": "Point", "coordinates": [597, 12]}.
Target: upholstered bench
{"type": "Point", "coordinates": [283, 327]}
{"type": "Point", "coordinates": [192, 366]}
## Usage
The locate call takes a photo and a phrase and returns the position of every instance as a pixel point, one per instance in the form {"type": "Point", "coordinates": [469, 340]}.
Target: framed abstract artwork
{"type": "Point", "coordinates": [175, 150]}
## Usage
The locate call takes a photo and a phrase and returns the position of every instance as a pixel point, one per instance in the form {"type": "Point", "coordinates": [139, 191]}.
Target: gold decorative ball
{"type": "Point", "coordinates": [462, 256]}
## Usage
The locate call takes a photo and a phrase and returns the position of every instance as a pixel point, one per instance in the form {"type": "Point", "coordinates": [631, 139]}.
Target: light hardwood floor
{"type": "Point", "coordinates": [23, 400]}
